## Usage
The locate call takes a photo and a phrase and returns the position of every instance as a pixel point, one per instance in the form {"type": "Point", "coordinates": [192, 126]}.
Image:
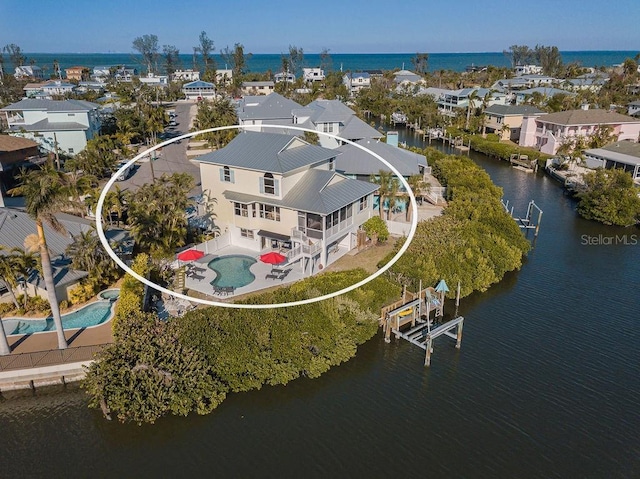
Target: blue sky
{"type": "Point", "coordinates": [355, 26]}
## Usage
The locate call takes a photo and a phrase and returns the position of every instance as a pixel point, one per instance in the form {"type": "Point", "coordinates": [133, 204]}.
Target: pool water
{"type": "Point", "coordinates": [111, 294]}
{"type": "Point", "coordinates": [232, 270]}
{"type": "Point", "coordinates": [89, 315]}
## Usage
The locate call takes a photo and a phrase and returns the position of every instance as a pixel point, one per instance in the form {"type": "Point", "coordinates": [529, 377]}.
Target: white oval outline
{"type": "Point", "coordinates": [116, 258]}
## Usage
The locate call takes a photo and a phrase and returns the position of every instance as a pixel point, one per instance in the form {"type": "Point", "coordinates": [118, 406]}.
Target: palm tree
{"type": "Point", "coordinates": [383, 180]}
{"type": "Point", "coordinates": [46, 193]}
{"type": "Point", "coordinates": [8, 275]}
{"type": "Point", "coordinates": [416, 183]}
{"type": "Point", "coordinates": [473, 96]}
{"type": "Point", "coordinates": [24, 262]}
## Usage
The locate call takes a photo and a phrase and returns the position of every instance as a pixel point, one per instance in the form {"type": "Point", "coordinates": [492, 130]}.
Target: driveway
{"type": "Point", "coordinates": [171, 159]}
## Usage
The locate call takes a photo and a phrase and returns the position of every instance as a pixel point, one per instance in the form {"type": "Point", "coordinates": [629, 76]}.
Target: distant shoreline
{"type": "Point", "coordinates": [345, 53]}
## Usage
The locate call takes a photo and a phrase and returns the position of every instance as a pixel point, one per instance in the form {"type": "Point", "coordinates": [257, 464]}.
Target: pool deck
{"type": "Point", "coordinates": [261, 271]}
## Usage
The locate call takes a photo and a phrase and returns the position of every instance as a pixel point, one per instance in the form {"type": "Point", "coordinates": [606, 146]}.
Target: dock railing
{"type": "Point", "coordinates": [51, 357]}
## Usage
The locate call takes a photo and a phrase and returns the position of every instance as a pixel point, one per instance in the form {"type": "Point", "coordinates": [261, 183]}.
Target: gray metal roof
{"type": "Point", "coordinates": [46, 125]}
{"type": "Point", "coordinates": [318, 191]}
{"type": "Point", "coordinates": [273, 106]}
{"type": "Point", "coordinates": [51, 105]}
{"type": "Point", "coordinates": [354, 161]}
{"type": "Point", "coordinates": [268, 152]}
{"type": "Point", "coordinates": [16, 225]}
{"type": "Point", "coordinates": [357, 129]}
{"type": "Point", "coordinates": [506, 110]}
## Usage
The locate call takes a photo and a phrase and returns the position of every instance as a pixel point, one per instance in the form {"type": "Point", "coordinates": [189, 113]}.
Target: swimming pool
{"type": "Point", "coordinates": [232, 270]}
{"type": "Point", "coordinates": [89, 315]}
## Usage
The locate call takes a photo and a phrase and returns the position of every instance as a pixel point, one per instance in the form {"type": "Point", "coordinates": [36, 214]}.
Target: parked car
{"type": "Point", "coordinates": [125, 174]}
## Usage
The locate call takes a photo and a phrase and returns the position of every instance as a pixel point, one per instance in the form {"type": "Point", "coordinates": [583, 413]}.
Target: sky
{"type": "Point", "coordinates": [354, 26]}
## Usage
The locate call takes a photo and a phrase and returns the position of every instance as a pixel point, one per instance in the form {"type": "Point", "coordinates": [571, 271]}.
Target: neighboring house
{"type": "Point", "coordinates": [56, 88]}
{"type": "Point", "coordinates": [14, 152]}
{"type": "Point", "coordinates": [224, 76]}
{"type": "Point", "coordinates": [28, 71]}
{"type": "Point", "coordinates": [334, 117]}
{"type": "Point", "coordinates": [356, 81]}
{"type": "Point", "coordinates": [634, 108]}
{"type": "Point", "coordinates": [101, 72]}
{"type": "Point", "coordinates": [406, 76]}
{"type": "Point", "coordinates": [453, 101]}
{"type": "Point", "coordinates": [199, 90]}
{"type": "Point", "coordinates": [546, 93]}
{"type": "Point", "coordinates": [284, 77]}
{"type": "Point", "coordinates": [155, 80]}
{"type": "Point", "coordinates": [125, 74]}
{"type": "Point", "coordinates": [257, 87]}
{"type": "Point", "coordinates": [33, 90]}
{"type": "Point", "coordinates": [271, 109]}
{"type": "Point", "coordinates": [77, 73]}
{"type": "Point", "coordinates": [313, 74]}
{"type": "Point", "coordinates": [276, 190]}
{"type": "Point", "coordinates": [186, 75]}
{"type": "Point", "coordinates": [549, 132]}
{"type": "Point", "coordinates": [16, 225]}
{"type": "Point", "coordinates": [496, 116]}
{"type": "Point", "coordinates": [589, 81]}
{"type": "Point", "coordinates": [620, 155]}
{"type": "Point", "coordinates": [65, 125]}
{"type": "Point", "coordinates": [527, 70]}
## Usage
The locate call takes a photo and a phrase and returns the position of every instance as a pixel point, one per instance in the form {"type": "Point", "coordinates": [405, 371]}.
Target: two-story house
{"type": "Point", "coordinates": [278, 190]}
{"type": "Point", "coordinates": [185, 75]}
{"type": "Point", "coordinates": [77, 73]}
{"type": "Point", "coordinates": [199, 90]}
{"type": "Point", "coordinates": [454, 101]}
{"type": "Point", "coordinates": [311, 75]}
{"type": "Point", "coordinates": [257, 87]}
{"type": "Point", "coordinates": [549, 132]}
{"type": "Point", "coordinates": [497, 116]}
{"type": "Point", "coordinates": [633, 108]}
{"type": "Point", "coordinates": [28, 71]}
{"type": "Point", "coordinates": [272, 109]}
{"type": "Point", "coordinates": [64, 125]}
{"type": "Point", "coordinates": [356, 81]}
{"type": "Point", "coordinates": [623, 155]}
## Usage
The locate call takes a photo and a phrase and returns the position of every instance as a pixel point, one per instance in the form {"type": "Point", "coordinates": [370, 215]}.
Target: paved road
{"type": "Point", "coordinates": [172, 158]}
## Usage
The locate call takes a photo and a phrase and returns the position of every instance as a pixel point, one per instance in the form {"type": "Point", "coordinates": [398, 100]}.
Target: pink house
{"type": "Point", "coordinates": [548, 132]}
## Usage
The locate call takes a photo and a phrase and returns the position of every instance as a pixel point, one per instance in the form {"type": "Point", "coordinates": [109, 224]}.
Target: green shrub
{"type": "Point", "coordinates": [376, 226]}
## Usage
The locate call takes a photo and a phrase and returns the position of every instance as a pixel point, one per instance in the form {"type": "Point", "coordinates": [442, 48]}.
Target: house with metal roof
{"type": "Point", "coordinates": [623, 155]}
{"type": "Point", "coordinates": [257, 87]}
{"type": "Point", "coordinates": [56, 125]}
{"type": "Point", "coordinates": [497, 116]}
{"type": "Point", "coordinates": [28, 71]}
{"type": "Point", "coordinates": [406, 76]}
{"type": "Point", "coordinates": [276, 190]}
{"type": "Point", "coordinates": [336, 118]}
{"type": "Point", "coordinates": [356, 81]}
{"type": "Point", "coordinates": [453, 101]}
{"type": "Point", "coordinates": [545, 93]}
{"type": "Point", "coordinates": [549, 132]}
{"type": "Point", "coordinates": [633, 108]}
{"type": "Point", "coordinates": [271, 109]}
{"type": "Point", "coordinates": [199, 90]}
{"type": "Point", "coordinates": [314, 74]}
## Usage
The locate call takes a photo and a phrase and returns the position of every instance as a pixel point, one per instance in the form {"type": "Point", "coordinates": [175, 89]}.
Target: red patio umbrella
{"type": "Point", "coordinates": [190, 255]}
{"type": "Point", "coordinates": [273, 258]}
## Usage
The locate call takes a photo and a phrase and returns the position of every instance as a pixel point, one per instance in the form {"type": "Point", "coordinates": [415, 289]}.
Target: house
{"type": "Point", "coordinates": [63, 125]}
{"type": "Point", "coordinates": [589, 81]}
{"type": "Point", "coordinates": [356, 81]}
{"type": "Point", "coordinates": [406, 76]}
{"type": "Point", "coordinates": [101, 72]}
{"type": "Point", "coordinates": [278, 190]}
{"type": "Point", "coordinates": [545, 93]}
{"type": "Point", "coordinates": [271, 109]}
{"type": "Point", "coordinates": [125, 74]}
{"type": "Point", "coordinates": [453, 101]}
{"type": "Point", "coordinates": [16, 225]}
{"type": "Point", "coordinates": [549, 132]}
{"type": "Point", "coordinates": [257, 87]}
{"type": "Point", "coordinates": [28, 71]}
{"type": "Point", "coordinates": [33, 90]}
{"type": "Point", "coordinates": [155, 80]}
{"type": "Point", "coordinates": [224, 76]}
{"type": "Point", "coordinates": [497, 116]}
{"type": "Point", "coordinates": [634, 108]}
{"type": "Point", "coordinates": [286, 77]}
{"type": "Point", "coordinates": [311, 75]}
{"type": "Point", "coordinates": [520, 70]}
{"type": "Point", "coordinates": [54, 88]}
{"type": "Point", "coordinates": [14, 153]}
{"type": "Point", "coordinates": [186, 75]}
{"type": "Point", "coordinates": [77, 73]}
{"type": "Point", "coordinates": [623, 155]}
{"type": "Point", "coordinates": [334, 117]}
{"type": "Point", "coordinates": [199, 90]}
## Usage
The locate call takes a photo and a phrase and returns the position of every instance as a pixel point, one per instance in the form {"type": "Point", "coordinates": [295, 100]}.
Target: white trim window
{"type": "Point", "coordinates": [269, 212]}
{"type": "Point", "coordinates": [363, 203]}
{"type": "Point", "coordinates": [245, 233]}
{"type": "Point", "coordinates": [269, 185]}
{"type": "Point", "coordinates": [226, 175]}
{"type": "Point", "coordinates": [241, 209]}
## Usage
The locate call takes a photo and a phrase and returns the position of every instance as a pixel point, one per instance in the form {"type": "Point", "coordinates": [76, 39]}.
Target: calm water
{"type": "Point", "coordinates": [546, 385]}
{"type": "Point", "coordinates": [353, 62]}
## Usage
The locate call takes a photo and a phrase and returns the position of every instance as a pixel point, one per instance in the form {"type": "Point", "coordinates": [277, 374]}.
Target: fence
{"type": "Point", "coordinates": [49, 358]}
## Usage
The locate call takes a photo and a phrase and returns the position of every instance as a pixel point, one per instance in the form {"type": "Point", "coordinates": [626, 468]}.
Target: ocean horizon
{"type": "Point", "coordinates": [264, 62]}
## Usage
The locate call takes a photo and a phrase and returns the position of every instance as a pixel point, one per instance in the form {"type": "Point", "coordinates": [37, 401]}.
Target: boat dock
{"type": "Point", "coordinates": [414, 311]}
{"type": "Point", "coordinates": [528, 222]}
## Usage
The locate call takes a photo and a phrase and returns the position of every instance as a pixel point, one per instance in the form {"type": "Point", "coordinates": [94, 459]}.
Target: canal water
{"type": "Point", "coordinates": [546, 385]}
